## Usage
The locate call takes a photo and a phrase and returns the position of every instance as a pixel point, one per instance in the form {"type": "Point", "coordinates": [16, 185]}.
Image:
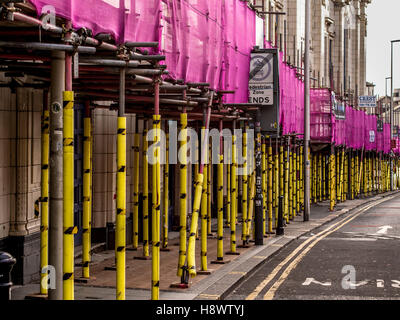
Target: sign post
{"type": "Point", "coordinates": [264, 87]}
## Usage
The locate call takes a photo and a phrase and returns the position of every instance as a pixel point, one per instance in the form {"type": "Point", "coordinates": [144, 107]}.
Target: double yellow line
{"type": "Point", "coordinates": [308, 245]}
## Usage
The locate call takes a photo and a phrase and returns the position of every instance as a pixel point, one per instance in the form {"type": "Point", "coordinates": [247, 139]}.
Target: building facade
{"type": "Point", "coordinates": [338, 58]}
{"type": "Point", "coordinates": [338, 41]}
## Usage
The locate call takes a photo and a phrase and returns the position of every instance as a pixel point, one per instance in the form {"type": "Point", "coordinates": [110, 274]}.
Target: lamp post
{"type": "Point", "coordinates": [306, 215]}
{"type": "Point", "coordinates": [386, 79]}
{"type": "Point", "coordinates": [391, 107]}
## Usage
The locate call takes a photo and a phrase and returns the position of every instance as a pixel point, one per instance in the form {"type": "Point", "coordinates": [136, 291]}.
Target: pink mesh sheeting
{"type": "Point", "coordinates": [370, 125]}
{"type": "Point", "coordinates": [130, 20]}
{"type": "Point", "coordinates": [239, 40]}
{"type": "Point", "coordinates": [339, 128]}
{"type": "Point", "coordinates": [291, 99]}
{"type": "Point", "coordinates": [386, 138]}
{"type": "Point", "coordinates": [397, 149]}
{"type": "Point", "coordinates": [350, 128]}
{"type": "Point", "coordinates": [321, 124]}
{"type": "Point", "coordinates": [203, 41]}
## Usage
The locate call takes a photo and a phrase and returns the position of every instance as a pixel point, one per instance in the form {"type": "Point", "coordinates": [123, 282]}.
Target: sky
{"type": "Point", "coordinates": [383, 26]}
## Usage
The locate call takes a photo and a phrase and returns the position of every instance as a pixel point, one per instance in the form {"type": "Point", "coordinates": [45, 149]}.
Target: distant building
{"type": "Point", "coordinates": [338, 41]}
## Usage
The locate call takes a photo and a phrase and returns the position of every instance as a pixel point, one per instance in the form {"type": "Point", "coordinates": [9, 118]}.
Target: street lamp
{"type": "Point", "coordinates": [391, 107]}
{"type": "Point", "coordinates": [386, 95]}
{"type": "Point", "coordinates": [306, 215]}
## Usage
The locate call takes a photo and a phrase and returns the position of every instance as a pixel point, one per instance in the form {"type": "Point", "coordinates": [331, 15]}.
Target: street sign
{"type": "Point", "coordinates": [261, 79]}
{"type": "Point", "coordinates": [371, 136]}
{"type": "Point", "coordinates": [367, 101]}
{"type": "Point", "coordinates": [379, 125]}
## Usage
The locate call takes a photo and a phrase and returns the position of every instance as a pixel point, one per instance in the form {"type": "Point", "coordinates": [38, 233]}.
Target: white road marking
{"type": "Point", "coordinates": [308, 281]}
{"type": "Point", "coordinates": [383, 229]}
{"type": "Point", "coordinates": [346, 239]}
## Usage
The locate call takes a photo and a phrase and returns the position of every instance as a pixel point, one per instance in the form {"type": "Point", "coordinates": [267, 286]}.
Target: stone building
{"type": "Point", "coordinates": [338, 41]}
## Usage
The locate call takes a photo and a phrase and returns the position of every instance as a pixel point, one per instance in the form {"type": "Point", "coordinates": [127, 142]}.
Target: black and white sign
{"type": "Point", "coordinates": [261, 79]}
{"type": "Point", "coordinates": [379, 125]}
{"type": "Point", "coordinates": [371, 136]}
{"type": "Point", "coordinates": [367, 101]}
{"type": "Point", "coordinates": [339, 108]}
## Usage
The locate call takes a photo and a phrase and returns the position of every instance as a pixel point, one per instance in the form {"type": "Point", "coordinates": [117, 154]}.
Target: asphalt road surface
{"type": "Point", "coordinates": [354, 257]}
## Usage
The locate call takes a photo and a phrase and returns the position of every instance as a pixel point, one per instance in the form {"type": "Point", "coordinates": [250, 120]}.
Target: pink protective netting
{"type": "Point", "coordinates": [358, 130]}
{"type": "Point", "coordinates": [291, 110]}
{"type": "Point", "coordinates": [126, 20]}
{"type": "Point", "coordinates": [210, 41]}
{"type": "Point", "coordinates": [203, 41]}
{"type": "Point", "coordinates": [321, 125]}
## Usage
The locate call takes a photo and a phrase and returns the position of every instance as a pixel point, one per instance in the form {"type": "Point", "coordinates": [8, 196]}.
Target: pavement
{"type": "Point", "coordinates": [217, 285]}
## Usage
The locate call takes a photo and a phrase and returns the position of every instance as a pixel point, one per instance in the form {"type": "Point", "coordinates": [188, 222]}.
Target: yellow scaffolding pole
{"type": "Point", "coordinates": [183, 194]}
{"type": "Point", "coordinates": [346, 176]}
{"type": "Point", "coordinates": [315, 167]}
{"type": "Point", "coordinates": [337, 177]}
{"type": "Point", "coordinates": [44, 199]}
{"type": "Point", "coordinates": [135, 233]}
{"type": "Point", "coordinates": [281, 175]}
{"type": "Point", "coordinates": [156, 204]}
{"type": "Point", "coordinates": [294, 187]}
{"type": "Point", "coordinates": [68, 194]}
{"type": "Point", "coordinates": [233, 196]}
{"type": "Point", "coordinates": [204, 229]}
{"type": "Point", "coordinates": [191, 259]}
{"type": "Point", "coordinates": [244, 189]}
{"type": "Point", "coordinates": [301, 178]}
{"type": "Point", "coordinates": [87, 212]}
{"type": "Point", "coordinates": [323, 177]}
{"type": "Point", "coordinates": [290, 182]}
{"type": "Point", "coordinates": [298, 181]}
{"type": "Point", "coordinates": [351, 175]}
{"type": "Point", "coordinates": [286, 198]}
{"type": "Point", "coordinates": [228, 195]}
{"type": "Point", "coordinates": [360, 175]}
{"type": "Point", "coordinates": [264, 183]}
{"type": "Point", "coordinates": [365, 176]}
{"type": "Point", "coordinates": [209, 172]}
{"type": "Point", "coordinates": [332, 184]}
{"type": "Point", "coordinates": [220, 204]}
{"type": "Point", "coordinates": [356, 175]}
{"type": "Point", "coordinates": [120, 232]}
{"type": "Point", "coordinates": [252, 197]}
{"type": "Point", "coordinates": [319, 177]}
{"type": "Point", "coordinates": [145, 187]}
{"type": "Point", "coordinates": [276, 183]}
{"type": "Point", "coordinates": [270, 190]}
{"type": "Point", "coordinates": [166, 195]}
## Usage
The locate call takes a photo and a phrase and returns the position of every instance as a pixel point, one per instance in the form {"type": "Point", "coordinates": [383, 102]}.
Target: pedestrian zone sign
{"type": "Point", "coordinates": [261, 79]}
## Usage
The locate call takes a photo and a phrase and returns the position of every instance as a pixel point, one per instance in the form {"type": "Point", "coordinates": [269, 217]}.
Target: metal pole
{"type": "Point", "coordinates": [156, 198]}
{"type": "Point", "coordinates": [44, 200]}
{"type": "Point", "coordinates": [258, 217]}
{"type": "Point", "coordinates": [56, 173]}
{"type": "Point", "coordinates": [68, 179]}
{"type": "Point", "coordinates": [391, 110]}
{"type": "Point", "coordinates": [306, 216]}
{"type": "Point", "coordinates": [120, 229]}
{"type": "Point", "coordinates": [87, 195]}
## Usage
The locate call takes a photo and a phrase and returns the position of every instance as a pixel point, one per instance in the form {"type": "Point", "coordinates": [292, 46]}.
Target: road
{"type": "Point", "coordinates": [354, 257]}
